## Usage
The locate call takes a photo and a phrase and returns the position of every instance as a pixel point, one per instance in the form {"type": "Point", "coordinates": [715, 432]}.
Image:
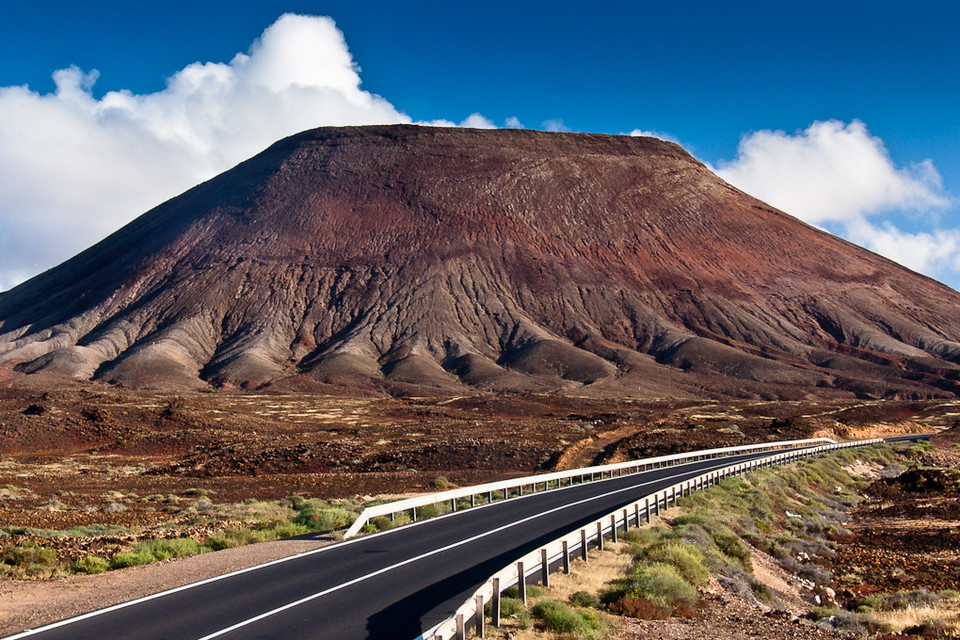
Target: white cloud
{"type": "Point", "coordinates": [840, 175]}
{"type": "Point", "coordinates": [926, 252]}
{"type": "Point", "coordinates": [830, 172]}
{"type": "Point", "coordinates": [74, 168]}
{"type": "Point", "coordinates": [653, 134]}
{"type": "Point", "coordinates": [477, 121]}
{"type": "Point", "coordinates": [554, 125]}
{"type": "Point", "coordinates": [513, 122]}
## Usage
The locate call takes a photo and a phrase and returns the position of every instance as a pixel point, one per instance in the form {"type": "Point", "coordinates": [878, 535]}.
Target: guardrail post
{"type": "Point", "coordinates": [566, 557]}
{"type": "Point", "coordinates": [583, 544]}
{"type": "Point", "coordinates": [490, 497]}
{"type": "Point", "coordinates": [461, 633]}
{"type": "Point", "coordinates": [413, 514]}
{"type": "Point", "coordinates": [522, 582]}
{"type": "Point", "coordinates": [544, 568]}
{"type": "Point", "coordinates": [613, 528]}
{"type": "Point", "coordinates": [636, 514]}
{"type": "Point", "coordinates": [495, 603]}
{"type": "Point", "coordinates": [600, 536]}
{"type": "Point", "coordinates": [478, 617]}
{"type": "Point", "coordinates": [473, 499]}
{"type": "Point", "coordinates": [646, 508]}
{"type": "Point", "coordinates": [453, 504]}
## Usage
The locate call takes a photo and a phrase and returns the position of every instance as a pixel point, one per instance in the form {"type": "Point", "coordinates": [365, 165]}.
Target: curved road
{"type": "Point", "coordinates": [392, 585]}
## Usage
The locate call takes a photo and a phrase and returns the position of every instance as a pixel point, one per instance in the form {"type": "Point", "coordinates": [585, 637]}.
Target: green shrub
{"type": "Point", "coordinates": [171, 548]}
{"type": "Point", "coordinates": [822, 613]}
{"type": "Point", "coordinates": [557, 617]}
{"type": "Point", "coordinates": [533, 591]}
{"type": "Point", "coordinates": [428, 511]}
{"type": "Point", "coordinates": [318, 515]}
{"type": "Point", "coordinates": [584, 599]}
{"type": "Point", "coordinates": [662, 584]}
{"type": "Point", "coordinates": [687, 559]}
{"type": "Point", "coordinates": [440, 483]}
{"type": "Point", "coordinates": [917, 448]}
{"type": "Point", "coordinates": [130, 559]}
{"type": "Point", "coordinates": [90, 564]}
{"type": "Point", "coordinates": [731, 546]}
{"type": "Point", "coordinates": [869, 603]}
{"type": "Point", "coordinates": [29, 554]}
{"type": "Point", "coordinates": [510, 607]}
{"type": "Point", "coordinates": [280, 530]}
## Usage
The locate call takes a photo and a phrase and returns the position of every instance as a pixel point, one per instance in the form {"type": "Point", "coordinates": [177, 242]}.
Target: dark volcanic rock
{"type": "Point", "coordinates": [407, 257]}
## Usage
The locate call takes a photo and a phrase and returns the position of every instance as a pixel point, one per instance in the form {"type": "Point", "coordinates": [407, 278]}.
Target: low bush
{"type": "Point", "coordinates": [165, 549]}
{"type": "Point", "coordinates": [557, 617]}
{"type": "Point", "coordinates": [90, 564]}
{"type": "Point", "coordinates": [511, 609]}
{"type": "Point", "coordinates": [130, 559]}
{"type": "Point", "coordinates": [533, 591]}
{"type": "Point", "coordinates": [440, 483]}
{"type": "Point", "coordinates": [917, 448]}
{"type": "Point", "coordinates": [686, 558]}
{"type": "Point", "coordinates": [319, 515]}
{"type": "Point", "coordinates": [585, 599]}
{"type": "Point", "coordinates": [428, 511]}
{"type": "Point", "coordinates": [822, 613]}
{"type": "Point", "coordinates": [662, 584]}
{"type": "Point", "coordinates": [28, 553]}
{"type": "Point", "coordinates": [639, 608]}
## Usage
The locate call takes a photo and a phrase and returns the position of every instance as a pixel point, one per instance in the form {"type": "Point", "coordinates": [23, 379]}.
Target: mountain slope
{"type": "Point", "coordinates": [403, 257]}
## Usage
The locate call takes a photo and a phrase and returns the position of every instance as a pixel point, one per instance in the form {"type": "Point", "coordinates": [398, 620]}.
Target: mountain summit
{"type": "Point", "coordinates": [403, 258]}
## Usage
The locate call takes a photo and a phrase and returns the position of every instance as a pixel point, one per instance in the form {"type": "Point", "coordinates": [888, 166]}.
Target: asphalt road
{"type": "Point", "coordinates": [393, 585]}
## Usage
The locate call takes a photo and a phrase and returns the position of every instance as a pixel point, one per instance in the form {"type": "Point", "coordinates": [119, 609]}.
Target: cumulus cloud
{"type": "Point", "coordinates": [74, 168]}
{"type": "Point", "coordinates": [653, 134]}
{"type": "Point", "coordinates": [840, 176]}
{"type": "Point", "coordinates": [513, 122]}
{"type": "Point", "coordinates": [554, 125]}
{"type": "Point", "coordinates": [477, 121]}
{"type": "Point", "coordinates": [927, 251]}
{"type": "Point", "coordinates": [831, 171]}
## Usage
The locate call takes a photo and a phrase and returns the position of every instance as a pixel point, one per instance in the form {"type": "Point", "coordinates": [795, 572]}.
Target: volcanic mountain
{"type": "Point", "coordinates": [405, 258]}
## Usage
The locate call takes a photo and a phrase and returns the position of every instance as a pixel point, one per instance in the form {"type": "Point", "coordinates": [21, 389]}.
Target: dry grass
{"type": "Point", "coordinates": [602, 568]}
{"type": "Point", "coordinates": [944, 617]}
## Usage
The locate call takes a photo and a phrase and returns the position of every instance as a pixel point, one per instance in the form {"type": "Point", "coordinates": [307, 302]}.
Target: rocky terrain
{"type": "Point", "coordinates": [140, 464]}
{"type": "Point", "coordinates": [411, 260]}
{"type": "Point", "coordinates": [97, 470]}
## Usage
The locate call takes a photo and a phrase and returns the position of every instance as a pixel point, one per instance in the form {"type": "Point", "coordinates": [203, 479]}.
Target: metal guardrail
{"type": "Point", "coordinates": [572, 476]}
{"type": "Point", "coordinates": [556, 554]}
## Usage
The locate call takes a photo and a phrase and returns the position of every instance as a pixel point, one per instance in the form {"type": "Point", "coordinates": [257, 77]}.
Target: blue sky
{"type": "Point", "coordinates": [843, 113]}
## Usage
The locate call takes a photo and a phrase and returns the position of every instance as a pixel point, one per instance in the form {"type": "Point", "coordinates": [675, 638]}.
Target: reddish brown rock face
{"type": "Point", "coordinates": [404, 258]}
